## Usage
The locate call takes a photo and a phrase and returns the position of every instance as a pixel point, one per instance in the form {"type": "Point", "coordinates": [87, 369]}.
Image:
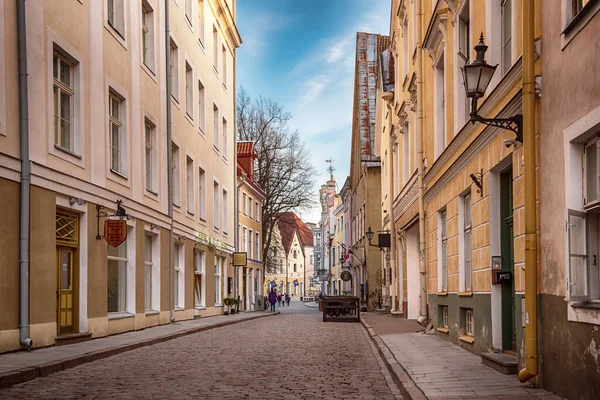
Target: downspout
{"type": "Point", "coordinates": [531, 312]}
{"type": "Point", "coordinates": [236, 206]}
{"type": "Point", "coordinates": [169, 156]}
{"type": "Point", "coordinates": [25, 180]}
{"type": "Point", "coordinates": [421, 154]}
{"type": "Point", "coordinates": [388, 97]}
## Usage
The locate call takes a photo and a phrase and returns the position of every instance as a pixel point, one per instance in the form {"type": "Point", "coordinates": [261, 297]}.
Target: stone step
{"type": "Point", "coordinates": [72, 338]}
{"type": "Point", "coordinates": [501, 362]}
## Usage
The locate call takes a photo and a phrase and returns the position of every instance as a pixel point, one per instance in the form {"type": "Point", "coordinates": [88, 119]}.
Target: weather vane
{"type": "Point", "coordinates": [330, 168]}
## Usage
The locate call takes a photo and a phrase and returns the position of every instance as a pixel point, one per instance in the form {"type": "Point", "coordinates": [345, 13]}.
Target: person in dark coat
{"type": "Point", "coordinates": [272, 299]}
{"type": "Point", "coordinates": [287, 299]}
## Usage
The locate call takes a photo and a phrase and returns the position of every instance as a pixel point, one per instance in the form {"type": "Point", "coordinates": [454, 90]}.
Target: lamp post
{"type": "Point", "coordinates": [476, 78]}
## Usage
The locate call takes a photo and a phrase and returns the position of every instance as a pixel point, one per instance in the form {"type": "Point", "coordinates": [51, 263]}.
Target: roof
{"type": "Point", "coordinates": [251, 182]}
{"type": "Point", "coordinates": [289, 225]}
{"type": "Point", "coordinates": [246, 149]}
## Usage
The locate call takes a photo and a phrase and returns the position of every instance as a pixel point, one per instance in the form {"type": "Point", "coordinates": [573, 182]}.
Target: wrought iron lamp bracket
{"type": "Point", "coordinates": [514, 123]}
{"type": "Point", "coordinates": [477, 179]}
{"type": "Point", "coordinates": [121, 213]}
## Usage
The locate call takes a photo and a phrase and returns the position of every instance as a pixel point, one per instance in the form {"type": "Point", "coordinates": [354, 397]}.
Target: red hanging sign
{"type": "Point", "coordinates": [115, 231]}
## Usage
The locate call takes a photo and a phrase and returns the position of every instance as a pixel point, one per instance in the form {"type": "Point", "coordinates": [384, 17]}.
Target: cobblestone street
{"type": "Point", "coordinates": [292, 355]}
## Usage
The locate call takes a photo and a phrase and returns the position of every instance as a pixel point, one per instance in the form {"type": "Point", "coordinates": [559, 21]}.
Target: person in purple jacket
{"type": "Point", "coordinates": [272, 299]}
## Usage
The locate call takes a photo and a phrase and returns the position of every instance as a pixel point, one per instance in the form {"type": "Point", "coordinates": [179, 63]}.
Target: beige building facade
{"type": "Point", "coordinates": [97, 134]}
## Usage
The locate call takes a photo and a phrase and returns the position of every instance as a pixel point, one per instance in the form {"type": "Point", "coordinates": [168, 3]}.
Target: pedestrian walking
{"type": "Point", "coordinates": [287, 299]}
{"type": "Point", "coordinates": [272, 299]}
{"type": "Point", "coordinates": [279, 300]}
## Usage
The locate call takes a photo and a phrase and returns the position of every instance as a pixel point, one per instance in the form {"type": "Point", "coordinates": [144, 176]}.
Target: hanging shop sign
{"type": "Point", "coordinates": [346, 276]}
{"type": "Point", "coordinates": [240, 259]}
{"type": "Point", "coordinates": [296, 282]}
{"type": "Point", "coordinates": [115, 231]}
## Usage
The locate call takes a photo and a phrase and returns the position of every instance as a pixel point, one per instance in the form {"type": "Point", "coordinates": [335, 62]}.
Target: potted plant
{"type": "Point", "coordinates": [233, 302]}
{"type": "Point", "coordinates": [227, 302]}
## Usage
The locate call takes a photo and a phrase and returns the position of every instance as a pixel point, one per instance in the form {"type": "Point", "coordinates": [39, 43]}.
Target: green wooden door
{"type": "Point", "coordinates": [509, 340]}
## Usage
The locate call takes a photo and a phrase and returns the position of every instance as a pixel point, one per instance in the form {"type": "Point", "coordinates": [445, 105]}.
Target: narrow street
{"type": "Point", "coordinates": [292, 355]}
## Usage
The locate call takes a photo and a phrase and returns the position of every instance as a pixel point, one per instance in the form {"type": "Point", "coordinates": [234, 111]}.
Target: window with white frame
{"type": "Point", "coordinates": [250, 247]}
{"type": "Point", "coordinates": [468, 249]}
{"type": "Point", "coordinates": [116, 15]}
{"type": "Point", "coordinates": [225, 144]}
{"type": "Point", "coordinates": [189, 90]}
{"type": "Point", "coordinates": [312, 259]}
{"type": "Point", "coordinates": [199, 278]}
{"type": "Point", "coordinates": [176, 175]}
{"type": "Point", "coordinates": [216, 208]}
{"type": "Point", "coordinates": [174, 61]}
{"type": "Point", "coordinates": [244, 239]}
{"type": "Point", "coordinates": [244, 197]}
{"type": "Point", "coordinates": [148, 266]}
{"type": "Point", "coordinates": [443, 252]}
{"type": "Point", "coordinates": [506, 8]}
{"type": "Point", "coordinates": [257, 244]}
{"type": "Point", "coordinates": [201, 27]}
{"type": "Point", "coordinates": [464, 51]}
{"type": "Point", "coordinates": [225, 212]}
{"type": "Point", "coordinates": [405, 50]}
{"type": "Point", "coordinates": [406, 153]}
{"type": "Point", "coordinates": [217, 280]}
{"type": "Point", "coordinates": [215, 49]}
{"type": "Point", "coordinates": [224, 65]}
{"type": "Point", "coordinates": [445, 317]}
{"type": "Point", "coordinates": [215, 126]}
{"type": "Point", "coordinates": [117, 275]}
{"type": "Point", "coordinates": [118, 137]}
{"type": "Point", "coordinates": [148, 54]}
{"type": "Point", "coordinates": [201, 107]}
{"type": "Point", "coordinates": [439, 112]}
{"type": "Point", "coordinates": [189, 184]}
{"type": "Point", "coordinates": [178, 267]}
{"type": "Point", "coordinates": [188, 11]}
{"type": "Point", "coordinates": [64, 102]}
{"type": "Point", "coordinates": [202, 193]}
{"type": "Point", "coordinates": [250, 207]}
{"type": "Point", "coordinates": [257, 212]}
{"type": "Point", "coordinates": [469, 322]}
{"type": "Point", "coordinates": [150, 156]}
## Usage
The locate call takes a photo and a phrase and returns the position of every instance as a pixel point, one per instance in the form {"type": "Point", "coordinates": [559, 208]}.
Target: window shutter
{"type": "Point", "coordinates": [579, 268]}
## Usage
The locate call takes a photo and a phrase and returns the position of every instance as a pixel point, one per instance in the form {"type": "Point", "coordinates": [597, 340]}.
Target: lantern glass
{"type": "Point", "coordinates": [369, 234]}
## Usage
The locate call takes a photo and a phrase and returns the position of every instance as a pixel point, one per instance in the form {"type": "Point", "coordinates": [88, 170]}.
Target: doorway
{"type": "Point", "coordinates": [509, 338]}
{"type": "Point", "coordinates": [66, 272]}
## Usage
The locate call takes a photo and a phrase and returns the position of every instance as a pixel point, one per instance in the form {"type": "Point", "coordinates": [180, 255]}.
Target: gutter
{"type": "Point", "coordinates": [25, 180]}
{"type": "Point", "coordinates": [169, 157]}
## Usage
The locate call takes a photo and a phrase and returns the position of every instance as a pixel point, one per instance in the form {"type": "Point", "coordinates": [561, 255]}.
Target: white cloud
{"type": "Point", "coordinates": [313, 88]}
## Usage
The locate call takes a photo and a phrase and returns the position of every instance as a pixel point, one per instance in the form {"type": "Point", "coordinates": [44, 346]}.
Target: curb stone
{"type": "Point", "coordinates": [22, 375]}
{"type": "Point", "coordinates": [407, 386]}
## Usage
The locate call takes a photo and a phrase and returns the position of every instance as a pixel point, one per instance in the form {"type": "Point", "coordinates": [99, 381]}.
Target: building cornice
{"type": "Point", "coordinates": [406, 197]}
{"type": "Point", "coordinates": [435, 38]}
{"type": "Point", "coordinates": [226, 21]}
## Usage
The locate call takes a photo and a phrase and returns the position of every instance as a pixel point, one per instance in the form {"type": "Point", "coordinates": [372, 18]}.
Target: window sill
{"type": "Point", "coordinates": [152, 192]}
{"type": "Point", "coordinates": [119, 174]}
{"type": "Point", "coordinates": [67, 151]}
{"type": "Point", "coordinates": [200, 307]}
{"type": "Point", "coordinates": [175, 101]}
{"type": "Point", "coordinates": [215, 149]}
{"type": "Point", "coordinates": [189, 118]}
{"type": "Point", "coordinates": [218, 305]}
{"type": "Point", "coordinates": [443, 330]}
{"type": "Point", "coordinates": [152, 312]}
{"type": "Point", "coordinates": [224, 87]}
{"type": "Point", "coordinates": [201, 132]}
{"type": "Point", "coordinates": [467, 339]}
{"type": "Point", "coordinates": [465, 294]}
{"type": "Point", "coordinates": [442, 293]}
{"type": "Point", "coordinates": [149, 71]}
{"type": "Point", "coordinates": [592, 305]}
{"type": "Point", "coordinates": [201, 45]}
{"type": "Point", "coordinates": [119, 315]}
{"type": "Point", "coordinates": [215, 71]}
{"type": "Point", "coordinates": [190, 213]}
{"type": "Point", "coordinates": [116, 34]}
{"type": "Point", "coordinates": [179, 309]}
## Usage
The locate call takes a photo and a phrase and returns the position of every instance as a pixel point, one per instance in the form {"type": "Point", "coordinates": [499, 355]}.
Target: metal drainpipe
{"type": "Point", "coordinates": [25, 180]}
{"type": "Point", "coordinates": [389, 97]}
{"type": "Point", "coordinates": [421, 153]}
{"type": "Point", "coordinates": [531, 312]}
{"type": "Point", "coordinates": [169, 156]}
{"type": "Point", "coordinates": [236, 217]}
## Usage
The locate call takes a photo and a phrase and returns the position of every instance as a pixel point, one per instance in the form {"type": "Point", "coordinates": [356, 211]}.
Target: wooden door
{"type": "Point", "coordinates": [65, 289]}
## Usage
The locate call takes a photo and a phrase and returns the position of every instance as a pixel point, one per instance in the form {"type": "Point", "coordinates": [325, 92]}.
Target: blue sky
{"type": "Point", "coordinates": [301, 54]}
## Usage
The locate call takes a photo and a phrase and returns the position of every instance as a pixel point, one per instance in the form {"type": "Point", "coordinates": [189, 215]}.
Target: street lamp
{"type": "Point", "coordinates": [384, 238]}
{"type": "Point", "coordinates": [370, 234]}
{"type": "Point", "coordinates": [476, 78]}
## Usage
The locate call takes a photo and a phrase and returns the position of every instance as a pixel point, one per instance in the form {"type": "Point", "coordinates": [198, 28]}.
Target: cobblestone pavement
{"type": "Point", "coordinates": [290, 356]}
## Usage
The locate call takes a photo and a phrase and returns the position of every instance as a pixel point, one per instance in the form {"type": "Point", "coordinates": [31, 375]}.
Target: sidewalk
{"type": "Point", "coordinates": [24, 366]}
{"type": "Point", "coordinates": [428, 367]}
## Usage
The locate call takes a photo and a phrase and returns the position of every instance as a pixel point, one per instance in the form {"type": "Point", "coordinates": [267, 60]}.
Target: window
{"type": "Point", "coordinates": [217, 280]}
{"type": "Point", "coordinates": [244, 239]}
{"type": "Point", "coordinates": [467, 243]}
{"type": "Point", "coordinates": [202, 194]}
{"type": "Point", "coordinates": [216, 126]}
{"type": "Point", "coordinates": [201, 27]}
{"type": "Point", "coordinates": [148, 35]}
{"type": "Point", "coordinates": [591, 181]}
{"type": "Point", "coordinates": [250, 207]}
{"type": "Point", "coordinates": [188, 11]}
{"type": "Point", "coordinates": [443, 252]}
{"type": "Point", "coordinates": [174, 55]}
{"type": "Point", "coordinates": [257, 244]}
{"type": "Point", "coordinates": [405, 153]}
{"type": "Point", "coordinates": [201, 107]}
{"type": "Point", "coordinates": [464, 51]}
{"type": "Point", "coordinates": [63, 102]}
{"type": "Point", "coordinates": [176, 175]}
{"type": "Point", "coordinates": [295, 269]}
{"type": "Point", "coordinates": [116, 16]}
{"type": "Point", "coordinates": [244, 203]}
{"type": "Point", "coordinates": [468, 322]}
{"type": "Point", "coordinates": [224, 65]}
{"type": "Point", "coordinates": [225, 153]}
{"type": "Point", "coordinates": [333, 256]}
{"type": "Point", "coordinates": [199, 282]}
{"type": "Point", "coordinates": [312, 259]}
{"type": "Point", "coordinates": [116, 106]}
{"type": "Point", "coordinates": [150, 156]}
{"type": "Point", "coordinates": [116, 271]}
{"type": "Point", "coordinates": [189, 187]}
{"type": "Point", "coordinates": [215, 50]}
{"type": "Point", "coordinates": [506, 35]}
{"type": "Point", "coordinates": [148, 272]}
{"type": "Point", "coordinates": [295, 254]}
{"type": "Point", "coordinates": [189, 91]}
{"type": "Point", "coordinates": [445, 317]}
{"type": "Point", "coordinates": [216, 213]}
{"type": "Point", "coordinates": [178, 267]}
{"type": "Point", "coordinates": [250, 247]}
{"type": "Point", "coordinates": [257, 213]}
{"type": "Point", "coordinates": [225, 221]}
{"type": "Point", "coordinates": [581, 271]}
{"type": "Point", "coordinates": [405, 45]}
{"type": "Point", "coordinates": [439, 119]}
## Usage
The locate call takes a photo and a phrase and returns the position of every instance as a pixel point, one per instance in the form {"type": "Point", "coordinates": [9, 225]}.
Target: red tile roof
{"type": "Point", "coordinates": [245, 149]}
{"type": "Point", "coordinates": [290, 224]}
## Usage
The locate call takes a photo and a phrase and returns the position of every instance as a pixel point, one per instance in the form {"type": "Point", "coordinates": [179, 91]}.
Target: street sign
{"type": "Point", "coordinates": [115, 231]}
{"type": "Point", "coordinates": [240, 259]}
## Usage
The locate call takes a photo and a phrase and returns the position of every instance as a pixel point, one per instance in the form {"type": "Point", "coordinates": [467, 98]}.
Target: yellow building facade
{"type": "Point", "coordinates": [97, 134]}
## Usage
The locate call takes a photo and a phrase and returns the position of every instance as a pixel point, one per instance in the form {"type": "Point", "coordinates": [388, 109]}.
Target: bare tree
{"type": "Point", "coordinates": [283, 168]}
